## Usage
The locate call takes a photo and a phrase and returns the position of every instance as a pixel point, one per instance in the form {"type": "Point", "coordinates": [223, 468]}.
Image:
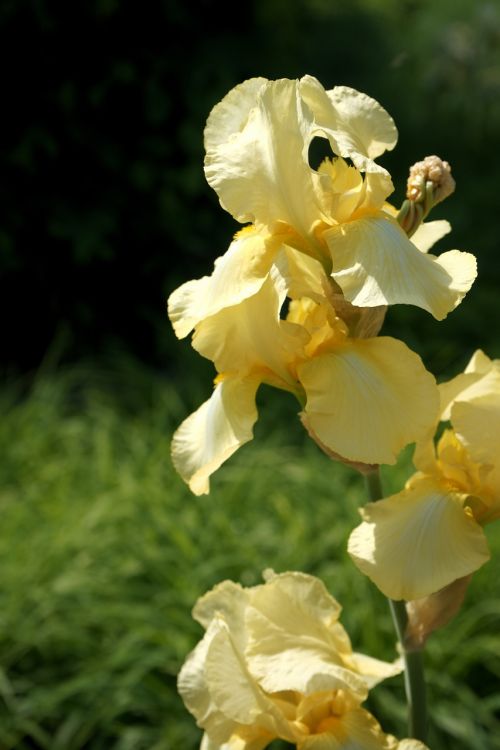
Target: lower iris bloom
{"type": "Point", "coordinates": [275, 662]}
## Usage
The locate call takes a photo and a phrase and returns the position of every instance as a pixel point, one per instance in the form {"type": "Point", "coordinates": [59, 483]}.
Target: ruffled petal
{"type": "Point", "coordinates": [210, 435]}
{"type": "Point", "coordinates": [375, 263]}
{"type": "Point", "coordinates": [418, 541]}
{"type": "Point", "coordinates": [429, 233]}
{"type": "Point", "coordinates": [294, 639]}
{"type": "Point", "coordinates": [258, 165]}
{"type": "Point", "coordinates": [228, 599]}
{"type": "Point", "coordinates": [365, 120]}
{"type": "Point", "coordinates": [357, 126]}
{"type": "Point", "coordinates": [368, 399]}
{"type": "Point", "coordinates": [231, 114]}
{"type": "Point", "coordinates": [280, 661]}
{"type": "Point", "coordinates": [237, 275]}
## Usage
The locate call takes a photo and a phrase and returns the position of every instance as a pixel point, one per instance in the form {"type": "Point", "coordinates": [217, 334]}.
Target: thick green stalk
{"type": "Point", "coordinates": [414, 669]}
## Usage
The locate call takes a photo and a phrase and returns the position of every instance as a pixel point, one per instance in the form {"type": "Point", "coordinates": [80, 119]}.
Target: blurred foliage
{"type": "Point", "coordinates": [104, 551]}
{"type": "Point", "coordinates": [105, 207]}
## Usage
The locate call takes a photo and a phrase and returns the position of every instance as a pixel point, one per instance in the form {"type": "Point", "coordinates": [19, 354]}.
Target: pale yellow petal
{"type": "Point", "coordinates": [472, 402]}
{"type": "Point", "coordinates": [280, 661]}
{"type": "Point", "coordinates": [479, 362]}
{"type": "Point", "coordinates": [363, 117]}
{"type": "Point", "coordinates": [357, 128]}
{"type": "Point", "coordinates": [356, 124]}
{"type": "Point", "coordinates": [429, 233]}
{"type": "Point", "coordinates": [230, 115]}
{"type": "Point", "coordinates": [227, 599]}
{"type": "Point", "coordinates": [460, 386]}
{"type": "Point", "coordinates": [411, 745]}
{"type": "Point", "coordinates": [477, 423]}
{"type": "Point", "coordinates": [237, 694]}
{"type": "Point", "coordinates": [195, 691]}
{"type": "Point", "coordinates": [302, 275]}
{"type": "Point", "coordinates": [369, 398]}
{"type": "Point", "coordinates": [375, 263]}
{"type": "Point", "coordinates": [373, 670]}
{"type": "Point", "coordinates": [259, 166]}
{"type": "Point", "coordinates": [237, 275]}
{"type": "Point", "coordinates": [294, 639]}
{"type": "Point", "coordinates": [251, 337]}
{"type": "Point", "coordinates": [215, 431]}
{"type": "Point", "coordinates": [418, 541]}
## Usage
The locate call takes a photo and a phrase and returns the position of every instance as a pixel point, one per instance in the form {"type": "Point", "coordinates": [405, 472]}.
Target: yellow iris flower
{"type": "Point", "coordinates": [363, 398]}
{"type": "Point", "coordinates": [257, 143]}
{"type": "Point", "coordinates": [420, 540]}
{"type": "Point", "coordinates": [275, 662]}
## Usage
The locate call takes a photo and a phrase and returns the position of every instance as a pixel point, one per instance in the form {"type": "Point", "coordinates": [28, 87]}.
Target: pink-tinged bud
{"type": "Point", "coordinates": [431, 170]}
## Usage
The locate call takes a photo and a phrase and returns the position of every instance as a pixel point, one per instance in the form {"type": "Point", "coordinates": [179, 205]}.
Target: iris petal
{"type": "Point", "coordinates": [418, 541]}
{"type": "Point", "coordinates": [374, 263]}
{"type": "Point", "coordinates": [210, 435]}
{"type": "Point", "coordinates": [359, 403]}
{"type": "Point", "coordinates": [237, 275]}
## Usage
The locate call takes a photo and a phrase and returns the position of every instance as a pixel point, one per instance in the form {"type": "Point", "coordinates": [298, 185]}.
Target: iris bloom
{"type": "Point", "coordinates": [275, 662]}
{"type": "Point", "coordinates": [363, 398]}
{"type": "Point", "coordinates": [427, 536]}
{"type": "Point", "coordinates": [257, 143]}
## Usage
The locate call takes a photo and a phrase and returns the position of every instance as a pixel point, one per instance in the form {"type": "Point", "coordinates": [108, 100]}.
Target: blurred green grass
{"type": "Point", "coordinates": [103, 552]}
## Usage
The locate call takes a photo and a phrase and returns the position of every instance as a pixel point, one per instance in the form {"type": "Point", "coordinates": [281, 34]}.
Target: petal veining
{"type": "Point", "coordinates": [374, 263]}
{"type": "Point", "coordinates": [369, 399]}
{"type": "Point", "coordinates": [418, 541]}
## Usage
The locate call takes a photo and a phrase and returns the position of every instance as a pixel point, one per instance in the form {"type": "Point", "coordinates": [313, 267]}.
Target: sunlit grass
{"type": "Point", "coordinates": [103, 552]}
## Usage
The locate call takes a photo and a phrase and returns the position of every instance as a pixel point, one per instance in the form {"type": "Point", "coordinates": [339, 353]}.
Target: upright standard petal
{"type": "Point", "coordinates": [215, 431]}
{"type": "Point", "coordinates": [418, 541]}
{"type": "Point", "coordinates": [356, 126]}
{"type": "Point", "coordinates": [374, 263]}
{"type": "Point", "coordinates": [237, 275]}
{"type": "Point", "coordinates": [368, 399]}
{"type": "Point", "coordinates": [259, 166]}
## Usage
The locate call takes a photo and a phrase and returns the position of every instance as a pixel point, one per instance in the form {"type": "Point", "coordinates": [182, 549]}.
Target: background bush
{"type": "Point", "coordinates": [104, 551]}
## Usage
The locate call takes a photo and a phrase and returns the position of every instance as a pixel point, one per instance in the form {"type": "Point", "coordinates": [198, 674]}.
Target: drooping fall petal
{"type": "Point", "coordinates": [368, 399]}
{"type": "Point", "coordinates": [374, 263]}
{"type": "Point", "coordinates": [418, 541]}
{"type": "Point", "coordinates": [215, 431]}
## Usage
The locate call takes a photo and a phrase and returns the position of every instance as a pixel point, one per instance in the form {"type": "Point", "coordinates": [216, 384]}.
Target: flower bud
{"type": "Point", "coordinates": [432, 175]}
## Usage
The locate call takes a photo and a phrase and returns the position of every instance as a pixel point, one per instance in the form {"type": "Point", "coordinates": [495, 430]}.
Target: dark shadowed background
{"type": "Point", "coordinates": [104, 203]}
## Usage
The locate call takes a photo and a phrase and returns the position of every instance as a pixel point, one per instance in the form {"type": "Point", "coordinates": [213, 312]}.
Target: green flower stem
{"type": "Point", "coordinates": [414, 668]}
